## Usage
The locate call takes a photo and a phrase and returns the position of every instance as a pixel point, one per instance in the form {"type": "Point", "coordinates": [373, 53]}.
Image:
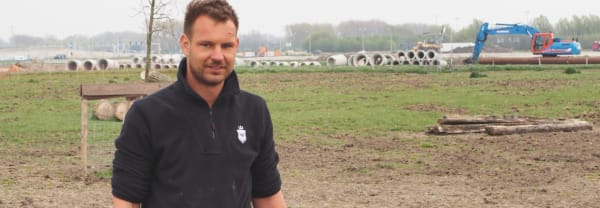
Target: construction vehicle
{"type": "Point", "coordinates": [431, 41]}
{"type": "Point", "coordinates": [542, 43]}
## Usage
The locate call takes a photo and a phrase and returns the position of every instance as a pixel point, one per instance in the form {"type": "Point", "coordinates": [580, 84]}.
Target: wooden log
{"type": "Point", "coordinates": [104, 110]}
{"type": "Point", "coordinates": [457, 119]}
{"type": "Point", "coordinates": [121, 109]}
{"type": "Point", "coordinates": [566, 125]}
{"type": "Point", "coordinates": [458, 129]}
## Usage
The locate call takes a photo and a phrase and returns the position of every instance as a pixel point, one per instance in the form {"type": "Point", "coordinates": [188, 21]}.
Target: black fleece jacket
{"type": "Point", "coordinates": [175, 151]}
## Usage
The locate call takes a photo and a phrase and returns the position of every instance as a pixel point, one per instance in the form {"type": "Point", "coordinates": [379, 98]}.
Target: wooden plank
{"type": "Point", "coordinates": [103, 91]}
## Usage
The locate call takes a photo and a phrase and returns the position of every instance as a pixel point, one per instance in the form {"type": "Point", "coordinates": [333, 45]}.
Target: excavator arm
{"type": "Point", "coordinates": [500, 29]}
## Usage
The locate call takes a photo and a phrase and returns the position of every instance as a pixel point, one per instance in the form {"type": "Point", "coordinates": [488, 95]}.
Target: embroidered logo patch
{"type": "Point", "coordinates": [241, 134]}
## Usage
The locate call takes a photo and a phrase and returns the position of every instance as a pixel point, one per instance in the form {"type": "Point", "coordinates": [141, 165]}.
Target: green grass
{"type": "Point", "coordinates": [315, 103]}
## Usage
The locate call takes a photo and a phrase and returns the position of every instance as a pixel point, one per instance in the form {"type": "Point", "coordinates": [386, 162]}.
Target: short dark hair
{"type": "Point", "coordinates": [218, 10]}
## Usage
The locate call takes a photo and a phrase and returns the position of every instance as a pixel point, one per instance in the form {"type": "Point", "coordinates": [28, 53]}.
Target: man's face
{"type": "Point", "coordinates": [210, 51]}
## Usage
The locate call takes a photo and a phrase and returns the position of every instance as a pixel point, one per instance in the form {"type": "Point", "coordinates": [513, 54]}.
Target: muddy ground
{"type": "Point", "coordinates": [559, 169]}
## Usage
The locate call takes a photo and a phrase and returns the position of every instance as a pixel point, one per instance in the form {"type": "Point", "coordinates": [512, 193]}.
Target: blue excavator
{"type": "Point", "coordinates": [542, 43]}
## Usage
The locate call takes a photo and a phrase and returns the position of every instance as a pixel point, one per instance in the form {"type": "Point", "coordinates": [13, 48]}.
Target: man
{"type": "Point", "coordinates": [200, 142]}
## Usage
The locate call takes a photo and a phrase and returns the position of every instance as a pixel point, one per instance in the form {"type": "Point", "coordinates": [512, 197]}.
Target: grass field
{"type": "Point", "coordinates": [40, 112]}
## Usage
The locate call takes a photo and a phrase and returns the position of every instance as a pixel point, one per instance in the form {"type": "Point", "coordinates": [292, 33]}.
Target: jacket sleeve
{"type": "Point", "coordinates": [266, 180]}
{"type": "Point", "coordinates": [133, 162]}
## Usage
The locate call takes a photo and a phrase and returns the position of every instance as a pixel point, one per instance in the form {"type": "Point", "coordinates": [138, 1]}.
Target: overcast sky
{"type": "Point", "coordinates": [61, 18]}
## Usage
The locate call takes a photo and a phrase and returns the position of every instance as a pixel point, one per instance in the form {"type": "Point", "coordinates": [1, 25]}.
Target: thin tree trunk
{"type": "Point", "coordinates": [149, 39]}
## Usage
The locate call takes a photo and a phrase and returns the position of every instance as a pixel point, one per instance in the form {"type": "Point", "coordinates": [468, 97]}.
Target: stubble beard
{"type": "Point", "coordinates": [201, 77]}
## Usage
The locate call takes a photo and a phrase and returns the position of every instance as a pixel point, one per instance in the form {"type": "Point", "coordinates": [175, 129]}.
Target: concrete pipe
{"type": "Point", "coordinates": [314, 63]}
{"type": "Point", "coordinates": [426, 62]}
{"type": "Point", "coordinates": [273, 63]}
{"type": "Point", "coordinates": [155, 59]}
{"type": "Point", "coordinates": [104, 64]}
{"type": "Point", "coordinates": [174, 59]}
{"type": "Point", "coordinates": [416, 62]}
{"type": "Point", "coordinates": [254, 64]}
{"type": "Point", "coordinates": [294, 64]}
{"type": "Point", "coordinates": [337, 60]}
{"type": "Point", "coordinates": [175, 66]}
{"type": "Point", "coordinates": [166, 66]}
{"type": "Point", "coordinates": [406, 62]}
{"type": "Point", "coordinates": [137, 59]}
{"type": "Point", "coordinates": [264, 63]}
{"type": "Point", "coordinates": [378, 59]}
{"type": "Point", "coordinates": [167, 59]}
{"type": "Point", "coordinates": [138, 66]}
{"type": "Point", "coordinates": [437, 62]}
{"type": "Point", "coordinates": [304, 63]}
{"type": "Point", "coordinates": [283, 63]}
{"type": "Point", "coordinates": [431, 54]}
{"type": "Point", "coordinates": [351, 60]}
{"type": "Point", "coordinates": [420, 54]}
{"type": "Point", "coordinates": [362, 59]}
{"type": "Point", "coordinates": [411, 54]}
{"type": "Point", "coordinates": [399, 61]}
{"type": "Point", "coordinates": [89, 65]}
{"type": "Point", "coordinates": [74, 65]}
{"type": "Point", "coordinates": [129, 66]}
{"type": "Point", "coordinates": [390, 58]}
{"type": "Point", "coordinates": [401, 54]}
{"type": "Point", "coordinates": [157, 66]}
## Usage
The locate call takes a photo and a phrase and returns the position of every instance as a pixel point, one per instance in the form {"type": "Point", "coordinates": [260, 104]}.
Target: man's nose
{"type": "Point", "coordinates": [217, 53]}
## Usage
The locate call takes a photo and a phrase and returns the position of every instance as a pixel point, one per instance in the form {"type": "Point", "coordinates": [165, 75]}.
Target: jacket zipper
{"type": "Point", "coordinates": [212, 124]}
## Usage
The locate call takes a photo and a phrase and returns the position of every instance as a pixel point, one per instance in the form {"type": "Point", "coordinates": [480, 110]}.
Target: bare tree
{"type": "Point", "coordinates": [155, 11]}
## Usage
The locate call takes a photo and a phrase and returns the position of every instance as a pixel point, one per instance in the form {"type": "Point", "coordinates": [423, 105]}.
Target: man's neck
{"type": "Point", "coordinates": [207, 92]}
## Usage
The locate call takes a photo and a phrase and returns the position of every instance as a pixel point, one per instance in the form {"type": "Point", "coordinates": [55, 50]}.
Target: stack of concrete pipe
{"type": "Point", "coordinates": [410, 57]}
{"type": "Point", "coordinates": [158, 62]}
{"type": "Point", "coordinates": [271, 64]}
{"type": "Point", "coordinates": [423, 58]}
{"type": "Point", "coordinates": [164, 62]}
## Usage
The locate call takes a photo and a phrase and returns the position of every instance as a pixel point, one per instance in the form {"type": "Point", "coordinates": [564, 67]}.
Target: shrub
{"type": "Point", "coordinates": [476, 74]}
{"type": "Point", "coordinates": [571, 70]}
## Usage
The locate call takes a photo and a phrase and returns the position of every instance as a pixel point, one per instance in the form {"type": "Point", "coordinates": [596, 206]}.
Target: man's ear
{"type": "Point", "coordinates": [184, 43]}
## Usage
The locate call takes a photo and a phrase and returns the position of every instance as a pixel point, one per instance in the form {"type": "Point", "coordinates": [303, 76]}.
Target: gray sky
{"type": "Point", "coordinates": [61, 18]}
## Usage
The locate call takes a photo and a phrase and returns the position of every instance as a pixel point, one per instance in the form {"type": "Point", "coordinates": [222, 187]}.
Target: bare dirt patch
{"type": "Point", "coordinates": [475, 170]}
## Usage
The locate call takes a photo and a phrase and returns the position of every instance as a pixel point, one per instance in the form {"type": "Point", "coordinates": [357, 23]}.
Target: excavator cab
{"type": "Point", "coordinates": [546, 45]}
{"type": "Point", "coordinates": [541, 42]}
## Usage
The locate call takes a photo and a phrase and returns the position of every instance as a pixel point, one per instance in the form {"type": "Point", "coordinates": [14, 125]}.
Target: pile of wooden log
{"type": "Point", "coordinates": [494, 125]}
{"type": "Point", "coordinates": [107, 111]}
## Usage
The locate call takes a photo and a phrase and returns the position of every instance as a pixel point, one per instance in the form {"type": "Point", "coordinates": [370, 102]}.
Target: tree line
{"type": "Point", "coordinates": [348, 36]}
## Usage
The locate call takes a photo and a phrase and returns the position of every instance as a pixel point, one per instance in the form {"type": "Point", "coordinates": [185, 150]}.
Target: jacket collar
{"type": "Point", "coordinates": [230, 87]}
